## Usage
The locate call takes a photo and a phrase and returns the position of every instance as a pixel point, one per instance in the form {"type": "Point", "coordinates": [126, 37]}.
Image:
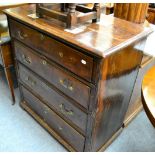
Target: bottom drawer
{"type": "Point", "coordinates": [69, 134]}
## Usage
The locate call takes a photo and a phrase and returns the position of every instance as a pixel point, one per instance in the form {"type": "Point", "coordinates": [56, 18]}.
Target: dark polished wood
{"type": "Point", "coordinates": [69, 58]}
{"type": "Point", "coordinates": [6, 57]}
{"type": "Point", "coordinates": [104, 50]}
{"type": "Point", "coordinates": [113, 38]}
{"type": "Point", "coordinates": [148, 94]}
{"type": "Point", "coordinates": [57, 123]}
{"type": "Point", "coordinates": [136, 13]}
{"type": "Point", "coordinates": [54, 99]}
{"type": "Point", "coordinates": [114, 95]}
{"type": "Point", "coordinates": [56, 76]}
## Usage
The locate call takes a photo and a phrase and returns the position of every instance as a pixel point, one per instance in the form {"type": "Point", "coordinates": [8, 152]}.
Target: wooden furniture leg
{"type": "Point", "coordinates": [97, 9]}
{"type": "Point", "coordinates": [6, 54]}
{"type": "Point", "coordinates": [148, 94]}
{"type": "Point", "coordinates": [10, 83]}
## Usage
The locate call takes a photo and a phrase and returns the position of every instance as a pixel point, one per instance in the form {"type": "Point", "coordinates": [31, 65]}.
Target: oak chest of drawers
{"type": "Point", "coordinates": [77, 85]}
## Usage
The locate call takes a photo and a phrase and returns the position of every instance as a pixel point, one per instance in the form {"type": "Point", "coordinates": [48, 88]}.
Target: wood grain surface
{"type": "Point", "coordinates": [148, 94]}
{"type": "Point", "coordinates": [109, 34]}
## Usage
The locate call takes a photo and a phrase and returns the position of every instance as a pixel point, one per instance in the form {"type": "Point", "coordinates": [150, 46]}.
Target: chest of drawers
{"type": "Point", "coordinates": [76, 85]}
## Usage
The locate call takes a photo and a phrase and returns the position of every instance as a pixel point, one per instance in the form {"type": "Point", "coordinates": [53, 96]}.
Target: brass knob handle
{"type": "Point", "coordinates": [42, 37]}
{"type": "Point", "coordinates": [44, 62]}
{"type": "Point", "coordinates": [66, 84]}
{"type": "Point", "coordinates": [21, 35]}
{"type": "Point", "coordinates": [65, 111]}
{"type": "Point", "coordinates": [61, 54]}
{"type": "Point", "coordinates": [26, 59]}
{"type": "Point", "coordinates": [62, 83]}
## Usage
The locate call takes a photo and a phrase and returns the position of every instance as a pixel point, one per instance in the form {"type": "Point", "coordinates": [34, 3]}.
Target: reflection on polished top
{"type": "Point", "coordinates": [100, 39]}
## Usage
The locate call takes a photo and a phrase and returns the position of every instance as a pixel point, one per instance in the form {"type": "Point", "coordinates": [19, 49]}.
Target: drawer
{"type": "Point", "coordinates": [53, 99]}
{"type": "Point", "coordinates": [59, 78]}
{"type": "Point", "coordinates": [69, 134]}
{"type": "Point", "coordinates": [73, 60]}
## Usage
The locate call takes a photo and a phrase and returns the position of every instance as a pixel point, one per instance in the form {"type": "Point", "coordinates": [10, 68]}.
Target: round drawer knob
{"type": "Point", "coordinates": [44, 62]}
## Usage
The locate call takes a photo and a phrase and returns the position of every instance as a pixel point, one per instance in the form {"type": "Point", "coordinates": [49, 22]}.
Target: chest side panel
{"type": "Point", "coordinates": [119, 72]}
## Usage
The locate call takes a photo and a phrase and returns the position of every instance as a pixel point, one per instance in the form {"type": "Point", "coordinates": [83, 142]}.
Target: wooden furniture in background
{"type": "Point", "coordinates": [9, 5]}
{"type": "Point", "coordinates": [135, 105]}
{"type": "Point", "coordinates": [109, 8]}
{"type": "Point", "coordinates": [6, 58]}
{"type": "Point", "coordinates": [148, 94]}
{"type": "Point", "coordinates": [76, 85]}
{"type": "Point", "coordinates": [134, 12]}
{"type": "Point", "coordinates": [70, 13]}
{"type": "Point", "coordinates": [151, 15]}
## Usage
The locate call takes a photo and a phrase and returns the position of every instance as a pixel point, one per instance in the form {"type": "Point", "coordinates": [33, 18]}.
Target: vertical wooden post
{"type": "Point", "coordinates": [97, 9]}
{"type": "Point", "coordinates": [71, 17]}
{"type": "Point", "coordinates": [64, 7]}
{"type": "Point", "coordinates": [38, 13]}
{"type": "Point", "coordinates": [134, 12]}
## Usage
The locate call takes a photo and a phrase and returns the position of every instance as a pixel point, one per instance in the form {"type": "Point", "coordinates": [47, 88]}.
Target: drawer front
{"type": "Point", "coordinates": [59, 78]}
{"type": "Point", "coordinates": [53, 99]}
{"type": "Point", "coordinates": [75, 139]}
{"type": "Point", "coordinates": [69, 58]}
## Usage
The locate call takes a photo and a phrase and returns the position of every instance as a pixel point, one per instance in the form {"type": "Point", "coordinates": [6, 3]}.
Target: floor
{"type": "Point", "coordinates": [20, 133]}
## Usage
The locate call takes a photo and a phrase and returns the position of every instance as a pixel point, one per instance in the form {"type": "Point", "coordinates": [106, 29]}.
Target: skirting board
{"type": "Point", "coordinates": [134, 114]}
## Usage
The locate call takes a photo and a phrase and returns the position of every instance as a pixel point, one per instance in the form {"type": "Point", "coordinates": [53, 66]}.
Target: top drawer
{"type": "Point", "coordinates": [75, 61]}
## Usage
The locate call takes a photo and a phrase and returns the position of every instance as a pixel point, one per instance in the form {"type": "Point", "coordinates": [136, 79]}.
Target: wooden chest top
{"type": "Point", "coordinates": [99, 39]}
